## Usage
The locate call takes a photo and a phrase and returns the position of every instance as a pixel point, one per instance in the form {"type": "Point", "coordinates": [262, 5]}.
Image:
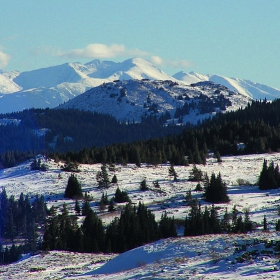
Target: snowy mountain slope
{"type": "Point", "coordinates": [7, 85]}
{"type": "Point", "coordinates": [36, 98]}
{"type": "Point", "coordinates": [132, 99]}
{"type": "Point", "coordinates": [49, 77]}
{"type": "Point", "coordinates": [245, 87]}
{"type": "Point", "coordinates": [240, 256]}
{"type": "Point", "coordinates": [202, 257]}
{"type": "Point", "coordinates": [49, 87]}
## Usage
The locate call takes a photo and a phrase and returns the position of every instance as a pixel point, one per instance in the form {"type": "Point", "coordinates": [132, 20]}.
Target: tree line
{"type": "Point", "coordinates": [255, 126]}
{"type": "Point", "coordinates": [90, 137]}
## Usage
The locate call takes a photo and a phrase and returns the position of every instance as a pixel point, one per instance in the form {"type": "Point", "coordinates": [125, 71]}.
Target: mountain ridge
{"type": "Point", "coordinates": [130, 100]}
{"type": "Point", "coordinates": [51, 86]}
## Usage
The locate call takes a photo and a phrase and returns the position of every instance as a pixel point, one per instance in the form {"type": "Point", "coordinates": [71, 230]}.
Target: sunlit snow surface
{"type": "Point", "coordinates": [206, 257]}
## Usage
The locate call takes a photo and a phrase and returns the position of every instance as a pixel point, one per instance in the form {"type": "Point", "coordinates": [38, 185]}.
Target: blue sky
{"type": "Point", "coordinates": [231, 38]}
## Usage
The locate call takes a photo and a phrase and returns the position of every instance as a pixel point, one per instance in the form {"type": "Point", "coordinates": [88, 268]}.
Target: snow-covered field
{"type": "Point", "coordinates": [204, 257]}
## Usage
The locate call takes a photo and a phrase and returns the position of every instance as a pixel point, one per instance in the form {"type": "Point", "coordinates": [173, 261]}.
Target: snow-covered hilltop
{"type": "Point", "coordinates": [51, 86]}
{"type": "Point", "coordinates": [132, 99]}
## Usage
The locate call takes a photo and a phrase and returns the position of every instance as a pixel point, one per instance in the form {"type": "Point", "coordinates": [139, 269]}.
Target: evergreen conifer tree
{"type": "Point", "coordinates": [73, 189]}
{"type": "Point", "coordinates": [77, 207]}
{"type": "Point", "coordinates": [264, 223]}
{"type": "Point", "coordinates": [143, 185]}
{"type": "Point", "coordinates": [172, 172]}
{"type": "Point", "coordinates": [102, 177]}
{"type": "Point", "coordinates": [114, 179]}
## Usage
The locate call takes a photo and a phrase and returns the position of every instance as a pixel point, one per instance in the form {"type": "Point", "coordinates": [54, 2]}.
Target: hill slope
{"type": "Point", "coordinates": [133, 99]}
{"type": "Point", "coordinates": [210, 256]}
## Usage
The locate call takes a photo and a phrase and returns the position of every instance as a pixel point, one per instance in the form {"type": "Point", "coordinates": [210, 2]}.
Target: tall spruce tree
{"type": "Point", "coordinates": [73, 189]}
{"type": "Point", "coordinates": [102, 177]}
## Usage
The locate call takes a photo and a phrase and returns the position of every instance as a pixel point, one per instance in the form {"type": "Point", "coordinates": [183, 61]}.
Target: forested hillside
{"type": "Point", "coordinates": [86, 137]}
{"type": "Point", "coordinates": [254, 129]}
{"type": "Point", "coordinates": [24, 134]}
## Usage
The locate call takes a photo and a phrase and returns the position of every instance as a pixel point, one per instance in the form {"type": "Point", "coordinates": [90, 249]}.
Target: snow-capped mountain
{"type": "Point", "coordinates": [51, 86]}
{"type": "Point", "coordinates": [133, 99]}
{"type": "Point", "coordinates": [245, 87]}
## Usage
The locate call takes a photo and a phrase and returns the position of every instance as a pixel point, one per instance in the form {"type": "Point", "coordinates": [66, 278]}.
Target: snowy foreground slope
{"type": "Point", "coordinates": [201, 257]}
{"type": "Point", "coordinates": [246, 256]}
{"type": "Point", "coordinates": [51, 86]}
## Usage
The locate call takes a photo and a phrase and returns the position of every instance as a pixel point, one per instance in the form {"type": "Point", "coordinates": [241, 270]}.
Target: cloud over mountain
{"type": "Point", "coordinates": [4, 59]}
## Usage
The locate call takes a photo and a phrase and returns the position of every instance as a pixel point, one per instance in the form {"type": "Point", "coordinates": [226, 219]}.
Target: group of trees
{"type": "Point", "coordinates": [38, 165]}
{"type": "Point", "coordinates": [207, 221]}
{"type": "Point", "coordinates": [215, 189]}
{"type": "Point", "coordinates": [269, 177]}
{"type": "Point", "coordinates": [20, 219]}
{"type": "Point", "coordinates": [136, 226]}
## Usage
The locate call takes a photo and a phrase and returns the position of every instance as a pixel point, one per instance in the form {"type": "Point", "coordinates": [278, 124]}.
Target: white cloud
{"type": "Point", "coordinates": [4, 59]}
{"type": "Point", "coordinates": [101, 51]}
{"type": "Point", "coordinates": [157, 60]}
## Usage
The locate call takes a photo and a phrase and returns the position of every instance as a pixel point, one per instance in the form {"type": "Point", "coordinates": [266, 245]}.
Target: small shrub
{"type": "Point", "coordinates": [37, 269]}
{"type": "Point", "coordinates": [143, 186]}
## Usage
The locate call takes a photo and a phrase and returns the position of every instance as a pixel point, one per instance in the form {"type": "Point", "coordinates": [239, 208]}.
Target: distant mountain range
{"type": "Point", "coordinates": [52, 86]}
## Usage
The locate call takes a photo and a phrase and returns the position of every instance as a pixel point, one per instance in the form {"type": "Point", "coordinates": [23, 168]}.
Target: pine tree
{"type": "Point", "coordinates": [277, 225]}
{"type": "Point", "coordinates": [225, 223]}
{"type": "Point", "coordinates": [263, 177]}
{"type": "Point", "coordinates": [114, 179]}
{"type": "Point", "coordinates": [73, 189]}
{"type": "Point", "coordinates": [94, 234]}
{"type": "Point", "coordinates": [102, 177]}
{"type": "Point", "coordinates": [196, 174]}
{"type": "Point", "coordinates": [86, 208]}
{"type": "Point", "coordinates": [264, 223]}
{"type": "Point", "coordinates": [143, 186]}
{"type": "Point", "coordinates": [218, 156]}
{"type": "Point", "coordinates": [248, 223]}
{"type": "Point", "coordinates": [77, 207]}
{"type": "Point", "coordinates": [121, 196]}
{"type": "Point", "coordinates": [172, 172]}
{"type": "Point", "coordinates": [111, 207]}
{"type": "Point", "coordinates": [167, 226]}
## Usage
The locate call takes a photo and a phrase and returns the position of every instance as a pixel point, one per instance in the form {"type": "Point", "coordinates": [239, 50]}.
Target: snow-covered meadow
{"type": "Point", "coordinates": [206, 257]}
